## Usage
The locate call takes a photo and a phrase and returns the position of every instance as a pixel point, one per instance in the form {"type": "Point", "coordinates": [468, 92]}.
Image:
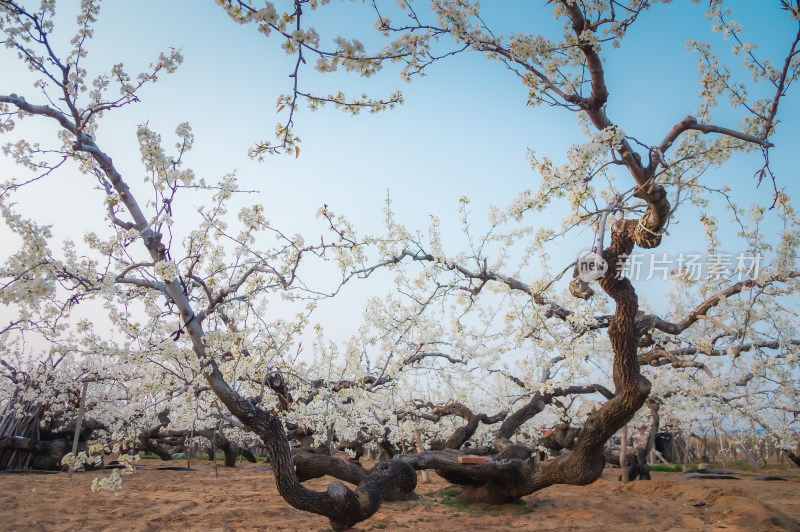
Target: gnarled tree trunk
{"type": "Point", "coordinates": [505, 480]}
{"type": "Point", "coordinates": [342, 506]}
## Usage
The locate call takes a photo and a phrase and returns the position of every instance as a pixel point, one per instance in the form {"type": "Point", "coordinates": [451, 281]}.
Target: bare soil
{"type": "Point", "coordinates": [245, 498]}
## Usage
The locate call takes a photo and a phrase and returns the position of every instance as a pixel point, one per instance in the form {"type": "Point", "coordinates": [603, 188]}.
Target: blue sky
{"type": "Point", "coordinates": [463, 130]}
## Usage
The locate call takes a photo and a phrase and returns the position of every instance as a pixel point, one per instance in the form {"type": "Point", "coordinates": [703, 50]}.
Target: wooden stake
{"type": "Point", "coordinates": [78, 423]}
{"type": "Point", "coordinates": [686, 445]}
{"type": "Point", "coordinates": [214, 447]}
{"type": "Point", "coordinates": [426, 474]}
{"type": "Point", "coordinates": [623, 453]}
{"type": "Point", "coordinates": [189, 447]}
{"type": "Point", "coordinates": [658, 455]}
{"type": "Point", "coordinates": [721, 450]}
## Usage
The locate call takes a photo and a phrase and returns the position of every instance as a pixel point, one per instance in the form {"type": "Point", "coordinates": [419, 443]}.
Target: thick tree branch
{"type": "Point", "coordinates": [703, 308]}
{"type": "Point", "coordinates": [690, 123]}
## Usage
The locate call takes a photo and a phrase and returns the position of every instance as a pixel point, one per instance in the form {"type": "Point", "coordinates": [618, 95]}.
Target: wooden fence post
{"type": "Point", "coordinates": [426, 474]}
{"type": "Point", "coordinates": [78, 423]}
{"type": "Point", "coordinates": [623, 453]}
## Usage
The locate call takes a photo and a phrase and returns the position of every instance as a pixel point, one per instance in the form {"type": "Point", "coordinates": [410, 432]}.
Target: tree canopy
{"type": "Point", "coordinates": [185, 319]}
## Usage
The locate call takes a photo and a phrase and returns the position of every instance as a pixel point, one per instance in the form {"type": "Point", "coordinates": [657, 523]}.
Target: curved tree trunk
{"type": "Point", "coordinates": [538, 403]}
{"type": "Point", "coordinates": [388, 450]}
{"type": "Point", "coordinates": [231, 452]}
{"type": "Point", "coordinates": [561, 438]}
{"type": "Point", "coordinates": [310, 465]}
{"type": "Point", "coordinates": [149, 439]}
{"type": "Point", "coordinates": [502, 481]}
{"type": "Point", "coordinates": [794, 458]}
{"type": "Point", "coordinates": [342, 506]}
{"type": "Point", "coordinates": [462, 434]}
{"type": "Point", "coordinates": [356, 446]}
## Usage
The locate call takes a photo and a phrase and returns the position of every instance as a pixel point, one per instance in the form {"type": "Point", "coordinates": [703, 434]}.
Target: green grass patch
{"type": "Point", "coordinates": [524, 507]}
{"type": "Point", "coordinates": [418, 502]}
{"type": "Point", "coordinates": [530, 507]}
{"type": "Point", "coordinates": [198, 458]}
{"type": "Point", "coordinates": [450, 492]}
{"type": "Point", "coordinates": [667, 468]}
{"type": "Point", "coordinates": [472, 509]}
{"type": "Point", "coordinates": [449, 499]}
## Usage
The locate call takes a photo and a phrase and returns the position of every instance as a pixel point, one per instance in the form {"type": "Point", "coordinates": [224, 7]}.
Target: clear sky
{"type": "Point", "coordinates": [463, 130]}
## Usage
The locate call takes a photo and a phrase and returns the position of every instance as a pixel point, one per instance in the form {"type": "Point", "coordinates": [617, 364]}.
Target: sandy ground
{"type": "Point", "coordinates": [245, 498]}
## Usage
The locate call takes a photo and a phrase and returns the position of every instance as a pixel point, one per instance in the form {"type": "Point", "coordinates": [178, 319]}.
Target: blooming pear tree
{"type": "Point", "coordinates": [212, 289]}
{"type": "Point", "coordinates": [722, 337]}
{"type": "Point", "coordinates": [204, 323]}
